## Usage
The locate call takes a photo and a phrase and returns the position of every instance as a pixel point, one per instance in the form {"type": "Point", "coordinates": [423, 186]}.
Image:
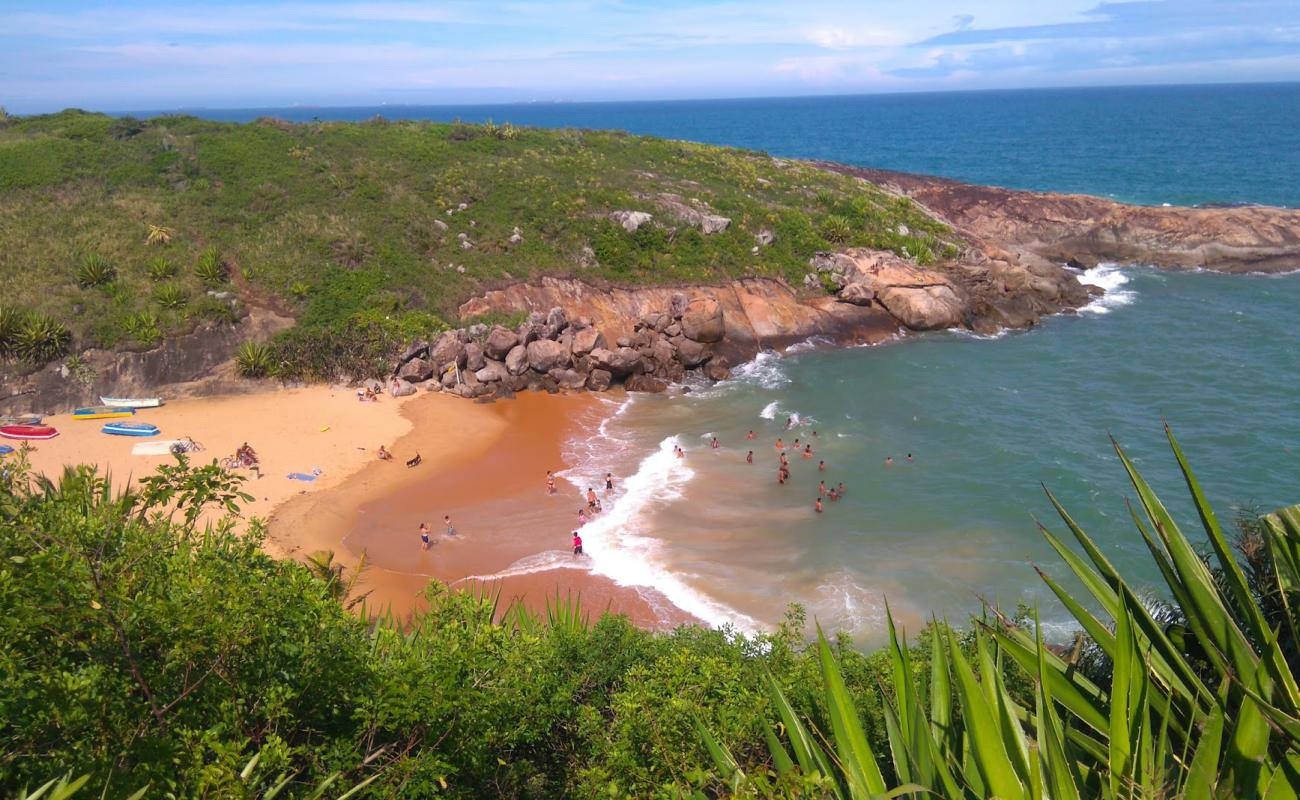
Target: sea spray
{"type": "Point", "coordinates": [1111, 278]}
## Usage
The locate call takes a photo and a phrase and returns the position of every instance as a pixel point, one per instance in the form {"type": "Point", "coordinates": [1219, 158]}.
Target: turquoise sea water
{"type": "Point", "coordinates": [1183, 145]}
{"type": "Point", "coordinates": [987, 420]}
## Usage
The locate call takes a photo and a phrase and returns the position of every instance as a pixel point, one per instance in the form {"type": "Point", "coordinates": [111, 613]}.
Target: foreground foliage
{"type": "Point", "coordinates": [143, 650]}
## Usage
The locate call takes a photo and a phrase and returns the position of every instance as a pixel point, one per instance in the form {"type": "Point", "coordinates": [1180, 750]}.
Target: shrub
{"type": "Point", "coordinates": [12, 319]}
{"type": "Point", "coordinates": [254, 360]}
{"type": "Point", "coordinates": [41, 338]}
{"type": "Point", "coordinates": [836, 228]}
{"type": "Point", "coordinates": [211, 269]}
{"type": "Point", "coordinates": [144, 328]}
{"type": "Point", "coordinates": [210, 308]}
{"type": "Point", "coordinates": [169, 295]}
{"type": "Point", "coordinates": [95, 270]}
{"type": "Point", "coordinates": [160, 269]}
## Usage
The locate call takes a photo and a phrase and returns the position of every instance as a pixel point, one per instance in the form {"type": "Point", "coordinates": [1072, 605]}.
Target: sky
{"type": "Point", "coordinates": [136, 56]}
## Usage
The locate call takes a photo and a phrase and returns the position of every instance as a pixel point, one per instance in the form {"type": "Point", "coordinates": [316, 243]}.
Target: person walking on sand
{"type": "Point", "coordinates": [818, 506]}
{"type": "Point", "coordinates": [446, 520]}
{"type": "Point", "coordinates": [424, 536]}
{"type": "Point", "coordinates": [577, 544]}
{"type": "Point", "coordinates": [749, 457]}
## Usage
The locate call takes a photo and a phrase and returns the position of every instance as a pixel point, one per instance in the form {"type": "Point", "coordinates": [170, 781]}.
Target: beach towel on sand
{"type": "Point", "coordinates": [304, 476]}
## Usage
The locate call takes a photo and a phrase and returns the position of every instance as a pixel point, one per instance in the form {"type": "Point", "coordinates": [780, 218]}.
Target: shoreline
{"type": "Point", "coordinates": [488, 474]}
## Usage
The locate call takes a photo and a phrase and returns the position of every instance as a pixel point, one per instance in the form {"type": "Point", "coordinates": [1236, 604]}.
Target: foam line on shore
{"type": "Point", "coordinates": [1111, 278]}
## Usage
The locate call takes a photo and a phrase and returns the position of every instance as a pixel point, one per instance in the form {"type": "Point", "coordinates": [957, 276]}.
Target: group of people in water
{"type": "Point", "coordinates": [805, 451]}
{"type": "Point", "coordinates": [588, 512]}
{"type": "Point", "coordinates": [424, 532]}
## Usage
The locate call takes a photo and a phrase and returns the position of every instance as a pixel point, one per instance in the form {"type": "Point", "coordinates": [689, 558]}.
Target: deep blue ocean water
{"type": "Point", "coordinates": [1184, 145]}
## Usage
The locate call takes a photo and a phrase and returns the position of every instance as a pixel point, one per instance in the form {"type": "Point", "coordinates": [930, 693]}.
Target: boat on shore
{"type": "Point", "coordinates": [102, 412]}
{"type": "Point", "coordinates": [22, 419]}
{"type": "Point", "coordinates": [28, 432]}
{"type": "Point", "coordinates": [130, 429]}
{"type": "Point", "coordinates": [131, 402]}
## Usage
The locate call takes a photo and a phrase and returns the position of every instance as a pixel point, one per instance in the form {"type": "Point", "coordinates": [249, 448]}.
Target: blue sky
{"type": "Point", "coordinates": [154, 55]}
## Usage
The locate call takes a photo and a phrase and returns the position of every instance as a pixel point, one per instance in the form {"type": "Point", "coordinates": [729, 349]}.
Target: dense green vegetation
{"type": "Point", "coordinates": [144, 651]}
{"type": "Point", "coordinates": [123, 230]}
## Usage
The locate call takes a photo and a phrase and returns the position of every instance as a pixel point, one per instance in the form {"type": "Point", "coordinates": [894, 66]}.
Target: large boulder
{"type": "Point", "coordinates": [716, 369]}
{"type": "Point", "coordinates": [599, 380]}
{"type": "Point", "coordinates": [567, 379]}
{"type": "Point", "coordinates": [690, 352]}
{"type": "Point", "coordinates": [474, 359]}
{"type": "Point", "coordinates": [491, 372]}
{"type": "Point", "coordinates": [585, 340]}
{"type": "Point", "coordinates": [499, 342]}
{"type": "Point", "coordinates": [924, 308]}
{"type": "Point", "coordinates": [545, 355]}
{"type": "Point", "coordinates": [857, 294]}
{"type": "Point", "coordinates": [447, 349]}
{"type": "Point", "coordinates": [416, 350]}
{"type": "Point", "coordinates": [703, 320]}
{"type": "Point", "coordinates": [517, 360]}
{"type": "Point", "coordinates": [645, 383]}
{"type": "Point", "coordinates": [619, 363]}
{"type": "Point", "coordinates": [417, 370]}
{"type": "Point", "coordinates": [630, 220]}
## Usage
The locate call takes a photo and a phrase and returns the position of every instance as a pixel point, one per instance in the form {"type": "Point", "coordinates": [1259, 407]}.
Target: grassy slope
{"type": "Point", "coordinates": [333, 218]}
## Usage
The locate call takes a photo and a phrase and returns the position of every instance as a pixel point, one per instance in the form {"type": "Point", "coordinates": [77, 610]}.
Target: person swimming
{"type": "Point", "coordinates": [582, 517]}
{"type": "Point", "coordinates": [714, 443]}
{"type": "Point", "coordinates": [832, 494]}
{"type": "Point", "coordinates": [840, 490]}
{"type": "Point", "coordinates": [889, 461]}
{"type": "Point", "coordinates": [821, 466]}
{"type": "Point", "coordinates": [749, 435]}
{"type": "Point", "coordinates": [808, 453]}
{"type": "Point", "coordinates": [909, 456]}
{"type": "Point", "coordinates": [780, 445]}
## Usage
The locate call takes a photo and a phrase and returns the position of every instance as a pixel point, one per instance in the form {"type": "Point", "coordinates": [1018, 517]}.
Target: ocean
{"type": "Point", "coordinates": [986, 420]}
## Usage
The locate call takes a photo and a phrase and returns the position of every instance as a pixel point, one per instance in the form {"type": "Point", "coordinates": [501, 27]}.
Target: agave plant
{"type": "Point", "coordinates": [160, 269]}
{"type": "Point", "coordinates": [95, 270]}
{"type": "Point", "coordinates": [254, 360]}
{"type": "Point", "coordinates": [12, 320]}
{"type": "Point", "coordinates": [1202, 710]}
{"type": "Point", "coordinates": [158, 235]}
{"type": "Point", "coordinates": [41, 338]}
{"type": "Point", "coordinates": [836, 228]}
{"type": "Point", "coordinates": [211, 268]}
{"type": "Point", "coordinates": [145, 328]}
{"type": "Point", "coordinates": [169, 295]}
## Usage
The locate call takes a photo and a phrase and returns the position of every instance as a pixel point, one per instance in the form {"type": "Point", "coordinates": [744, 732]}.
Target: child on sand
{"type": "Point", "coordinates": [577, 544]}
{"type": "Point", "coordinates": [384, 455]}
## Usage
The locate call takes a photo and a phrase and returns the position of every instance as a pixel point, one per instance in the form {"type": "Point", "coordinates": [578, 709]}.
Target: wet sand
{"type": "Point", "coordinates": [485, 466]}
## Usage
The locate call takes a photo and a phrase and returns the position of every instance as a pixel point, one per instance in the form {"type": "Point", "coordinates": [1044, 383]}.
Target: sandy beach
{"type": "Point", "coordinates": [484, 464]}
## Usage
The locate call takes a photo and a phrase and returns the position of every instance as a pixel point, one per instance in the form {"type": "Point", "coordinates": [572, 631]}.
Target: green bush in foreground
{"type": "Point", "coordinates": [145, 651]}
{"type": "Point", "coordinates": [12, 320]}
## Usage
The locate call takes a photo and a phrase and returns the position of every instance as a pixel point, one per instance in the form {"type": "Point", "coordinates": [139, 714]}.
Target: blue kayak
{"type": "Point", "coordinates": [5, 449]}
{"type": "Point", "coordinates": [130, 429]}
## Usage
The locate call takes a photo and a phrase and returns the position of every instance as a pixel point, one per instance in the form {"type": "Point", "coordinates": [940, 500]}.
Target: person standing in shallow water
{"type": "Point", "coordinates": [424, 536]}
{"type": "Point", "coordinates": [446, 520]}
{"type": "Point", "coordinates": [577, 544]}
{"type": "Point", "coordinates": [821, 489]}
{"type": "Point", "coordinates": [550, 482]}
{"type": "Point", "coordinates": [749, 457]}
{"type": "Point", "coordinates": [609, 482]}
{"type": "Point", "coordinates": [818, 506]}
{"type": "Point", "coordinates": [714, 443]}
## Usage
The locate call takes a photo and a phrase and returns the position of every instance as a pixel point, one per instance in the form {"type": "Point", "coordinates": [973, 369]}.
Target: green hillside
{"type": "Point", "coordinates": [122, 229]}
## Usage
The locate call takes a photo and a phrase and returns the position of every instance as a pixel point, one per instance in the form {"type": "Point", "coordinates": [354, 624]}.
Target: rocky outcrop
{"type": "Point", "coordinates": [1063, 228]}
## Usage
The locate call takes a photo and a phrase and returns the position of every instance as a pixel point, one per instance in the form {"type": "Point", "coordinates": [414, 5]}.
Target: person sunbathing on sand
{"type": "Point", "coordinates": [384, 455]}
{"type": "Point", "coordinates": [414, 461]}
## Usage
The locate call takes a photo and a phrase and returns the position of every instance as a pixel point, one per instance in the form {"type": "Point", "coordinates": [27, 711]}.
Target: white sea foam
{"type": "Point", "coordinates": [1112, 279]}
{"type": "Point", "coordinates": [811, 343]}
{"type": "Point", "coordinates": [537, 562]}
{"type": "Point", "coordinates": [765, 370]}
{"type": "Point", "coordinates": [769, 410]}
{"type": "Point", "coordinates": [620, 546]}
{"type": "Point", "coordinates": [846, 604]}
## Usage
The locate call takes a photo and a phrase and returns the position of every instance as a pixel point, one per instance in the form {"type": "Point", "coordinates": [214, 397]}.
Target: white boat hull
{"type": "Point", "coordinates": [131, 402]}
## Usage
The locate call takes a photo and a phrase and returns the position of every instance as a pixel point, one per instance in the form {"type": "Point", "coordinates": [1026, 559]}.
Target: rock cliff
{"type": "Point", "coordinates": [1088, 230]}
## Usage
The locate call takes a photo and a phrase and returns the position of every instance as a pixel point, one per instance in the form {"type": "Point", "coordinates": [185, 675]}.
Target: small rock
{"type": "Point", "coordinates": [466, 244]}
{"type": "Point", "coordinates": [585, 340]}
{"type": "Point", "coordinates": [440, 225]}
{"type": "Point", "coordinates": [764, 237]}
{"type": "Point", "coordinates": [462, 207]}
{"type": "Point", "coordinates": [631, 220]}
{"type": "Point", "coordinates": [515, 238]}
{"type": "Point", "coordinates": [856, 294]}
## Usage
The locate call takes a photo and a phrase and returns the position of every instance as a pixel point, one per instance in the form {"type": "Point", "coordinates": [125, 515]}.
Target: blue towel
{"type": "Point", "coordinates": [301, 476]}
